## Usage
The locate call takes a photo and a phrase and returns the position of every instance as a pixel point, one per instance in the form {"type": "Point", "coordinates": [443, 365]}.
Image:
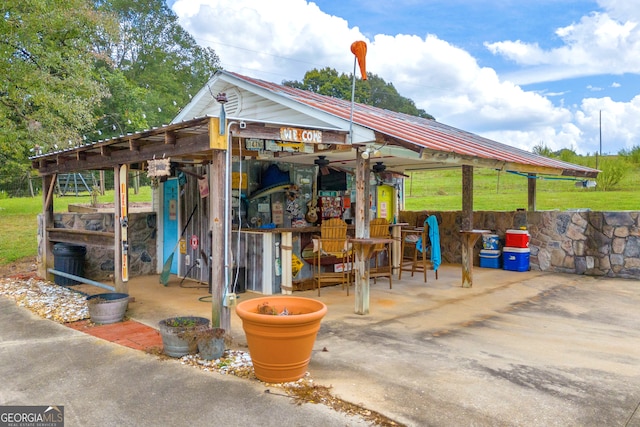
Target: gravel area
{"type": "Point", "coordinates": [46, 299]}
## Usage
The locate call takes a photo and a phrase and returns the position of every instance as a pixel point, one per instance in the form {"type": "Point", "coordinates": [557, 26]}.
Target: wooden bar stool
{"type": "Point", "coordinates": [379, 227]}
{"type": "Point", "coordinates": [410, 238]}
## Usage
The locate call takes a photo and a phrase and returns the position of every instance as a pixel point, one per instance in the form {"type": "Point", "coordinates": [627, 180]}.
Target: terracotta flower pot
{"type": "Point", "coordinates": [280, 345]}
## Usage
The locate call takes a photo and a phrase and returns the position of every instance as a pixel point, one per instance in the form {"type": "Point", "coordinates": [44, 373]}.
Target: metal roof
{"type": "Point", "coordinates": [432, 139]}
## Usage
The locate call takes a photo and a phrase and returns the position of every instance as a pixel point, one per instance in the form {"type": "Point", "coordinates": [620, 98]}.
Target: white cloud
{"type": "Point", "coordinates": [282, 40]}
{"type": "Point", "coordinates": [620, 126]}
{"type": "Point", "coordinates": [621, 9]}
{"type": "Point", "coordinates": [596, 45]}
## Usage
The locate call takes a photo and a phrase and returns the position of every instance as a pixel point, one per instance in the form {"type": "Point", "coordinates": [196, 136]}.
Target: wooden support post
{"type": "Point", "coordinates": [220, 315]}
{"type": "Point", "coordinates": [286, 247]}
{"type": "Point", "coordinates": [467, 197]}
{"type": "Point", "coordinates": [363, 215]}
{"type": "Point", "coordinates": [468, 237]}
{"type": "Point", "coordinates": [120, 256]}
{"type": "Point", "coordinates": [102, 175]}
{"type": "Point", "coordinates": [45, 247]}
{"type": "Point", "coordinates": [531, 192]}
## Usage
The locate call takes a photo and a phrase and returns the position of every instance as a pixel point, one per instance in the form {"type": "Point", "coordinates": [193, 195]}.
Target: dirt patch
{"type": "Point", "coordinates": [25, 267]}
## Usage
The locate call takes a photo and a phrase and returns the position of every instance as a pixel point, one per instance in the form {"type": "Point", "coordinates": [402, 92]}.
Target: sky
{"type": "Point", "coordinates": [553, 73]}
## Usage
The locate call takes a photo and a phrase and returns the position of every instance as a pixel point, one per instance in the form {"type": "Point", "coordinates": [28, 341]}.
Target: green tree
{"type": "Point", "coordinates": [373, 91]}
{"type": "Point", "coordinates": [153, 67]}
{"type": "Point", "coordinates": [632, 155]}
{"type": "Point", "coordinates": [47, 94]}
{"type": "Point", "coordinates": [542, 150]}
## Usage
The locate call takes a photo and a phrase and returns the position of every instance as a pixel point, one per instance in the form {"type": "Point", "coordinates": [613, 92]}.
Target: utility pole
{"type": "Point", "coordinates": [599, 154]}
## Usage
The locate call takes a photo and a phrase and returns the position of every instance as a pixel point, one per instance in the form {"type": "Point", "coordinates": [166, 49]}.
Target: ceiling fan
{"type": "Point", "coordinates": [383, 175]}
{"type": "Point", "coordinates": [324, 165]}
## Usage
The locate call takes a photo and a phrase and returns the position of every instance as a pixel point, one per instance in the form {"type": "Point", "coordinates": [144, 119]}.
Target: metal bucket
{"type": "Point", "coordinates": [178, 341]}
{"type": "Point", "coordinates": [108, 307]}
{"type": "Point", "coordinates": [212, 346]}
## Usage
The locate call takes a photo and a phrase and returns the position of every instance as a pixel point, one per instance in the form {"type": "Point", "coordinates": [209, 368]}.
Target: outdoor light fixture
{"type": "Point", "coordinates": [221, 97]}
{"type": "Point", "coordinates": [371, 151]}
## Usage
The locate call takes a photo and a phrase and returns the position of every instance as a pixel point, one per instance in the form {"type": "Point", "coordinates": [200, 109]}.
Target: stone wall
{"type": "Point", "coordinates": [99, 261]}
{"type": "Point", "coordinates": [577, 242]}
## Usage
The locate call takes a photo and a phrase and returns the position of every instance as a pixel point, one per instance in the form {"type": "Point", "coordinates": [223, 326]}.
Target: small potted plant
{"type": "Point", "coordinates": [281, 332]}
{"type": "Point", "coordinates": [211, 343]}
{"type": "Point", "coordinates": [179, 334]}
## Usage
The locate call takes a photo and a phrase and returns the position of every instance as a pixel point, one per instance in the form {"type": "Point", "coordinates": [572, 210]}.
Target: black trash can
{"type": "Point", "coordinates": [68, 258]}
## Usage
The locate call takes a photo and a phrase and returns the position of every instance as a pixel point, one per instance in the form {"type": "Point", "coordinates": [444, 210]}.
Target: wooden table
{"type": "Point", "coordinates": [363, 248]}
{"type": "Point", "coordinates": [469, 239]}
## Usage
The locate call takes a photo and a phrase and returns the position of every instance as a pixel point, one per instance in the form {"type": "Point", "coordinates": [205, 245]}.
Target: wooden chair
{"type": "Point", "coordinates": [333, 241]}
{"type": "Point", "coordinates": [379, 227]}
{"type": "Point", "coordinates": [418, 256]}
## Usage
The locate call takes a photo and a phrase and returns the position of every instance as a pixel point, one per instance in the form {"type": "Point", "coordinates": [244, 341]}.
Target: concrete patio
{"type": "Point", "coordinates": [518, 348]}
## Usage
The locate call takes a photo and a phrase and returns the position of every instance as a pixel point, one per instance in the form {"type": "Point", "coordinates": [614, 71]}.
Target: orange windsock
{"type": "Point", "coordinates": [359, 49]}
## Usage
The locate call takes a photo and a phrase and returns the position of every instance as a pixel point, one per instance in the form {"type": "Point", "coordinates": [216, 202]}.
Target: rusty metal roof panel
{"type": "Point", "coordinates": [423, 133]}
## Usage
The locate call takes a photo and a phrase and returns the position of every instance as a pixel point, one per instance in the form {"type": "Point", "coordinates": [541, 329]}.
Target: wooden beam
{"type": "Point", "coordinates": [467, 198]}
{"type": "Point", "coordinates": [170, 138]}
{"type": "Point", "coordinates": [49, 195]}
{"type": "Point", "coordinates": [46, 221]}
{"type": "Point", "coordinates": [134, 145]}
{"type": "Point", "coordinates": [454, 159]}
{"type": "Point", "coordinates": [531, 192]}
{"type": "Point", "coordinates": [81, 237]}
{"type": "Point", "coordinates": [191, 145]}
{"type": "Point", "coordinates": [261, 131]}
{"type": "Point", "coordinates": [117, 235]}
{"type": "Point", "coordinates": [363, 215]}
{"type": "Point", "coordinates": [220, 316]}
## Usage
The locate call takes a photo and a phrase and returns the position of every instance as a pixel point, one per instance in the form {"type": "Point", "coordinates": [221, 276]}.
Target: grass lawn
{"type": "Point", "coordinates": [500, 191]}
{"type": "Point", "coordinates": [18, 220]}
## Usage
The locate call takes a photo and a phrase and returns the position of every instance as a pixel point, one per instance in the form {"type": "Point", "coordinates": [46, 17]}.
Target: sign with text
{"type": "Point", "coordinates": [301, 135]}
{"type": "Point", "coordinates": [253, 144]}
{"type": "Point", "coordinates": [32, 416]}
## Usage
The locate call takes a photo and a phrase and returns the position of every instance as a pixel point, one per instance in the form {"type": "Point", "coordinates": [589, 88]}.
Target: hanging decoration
{"type": "Point", "coordinates": [158, 167]}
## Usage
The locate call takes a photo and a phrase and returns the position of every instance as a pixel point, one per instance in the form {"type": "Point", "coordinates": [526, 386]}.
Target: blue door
{"type": "Point", "coordinates": [170, 223]}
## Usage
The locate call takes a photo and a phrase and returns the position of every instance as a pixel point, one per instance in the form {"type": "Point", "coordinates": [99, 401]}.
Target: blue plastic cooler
{"type": "Point", "coordinates": [515, 259]}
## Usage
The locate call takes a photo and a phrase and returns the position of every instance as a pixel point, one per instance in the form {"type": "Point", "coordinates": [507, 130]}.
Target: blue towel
{"type": "Point", "coordinates": [434, 237]}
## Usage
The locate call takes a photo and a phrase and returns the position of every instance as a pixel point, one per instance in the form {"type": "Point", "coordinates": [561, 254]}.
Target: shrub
{"type": "Point", "coordinates": [632, 156]}
{"type": "Point", "coordinates": [612, 172]}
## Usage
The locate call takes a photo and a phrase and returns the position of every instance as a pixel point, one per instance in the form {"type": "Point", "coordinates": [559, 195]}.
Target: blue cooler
{"type": "Point", "coordinates": [489, 258]}
{"type": "Point", "coordinates": [515, 259]}
{"type": "Point", "coordinates": [490, 241]}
